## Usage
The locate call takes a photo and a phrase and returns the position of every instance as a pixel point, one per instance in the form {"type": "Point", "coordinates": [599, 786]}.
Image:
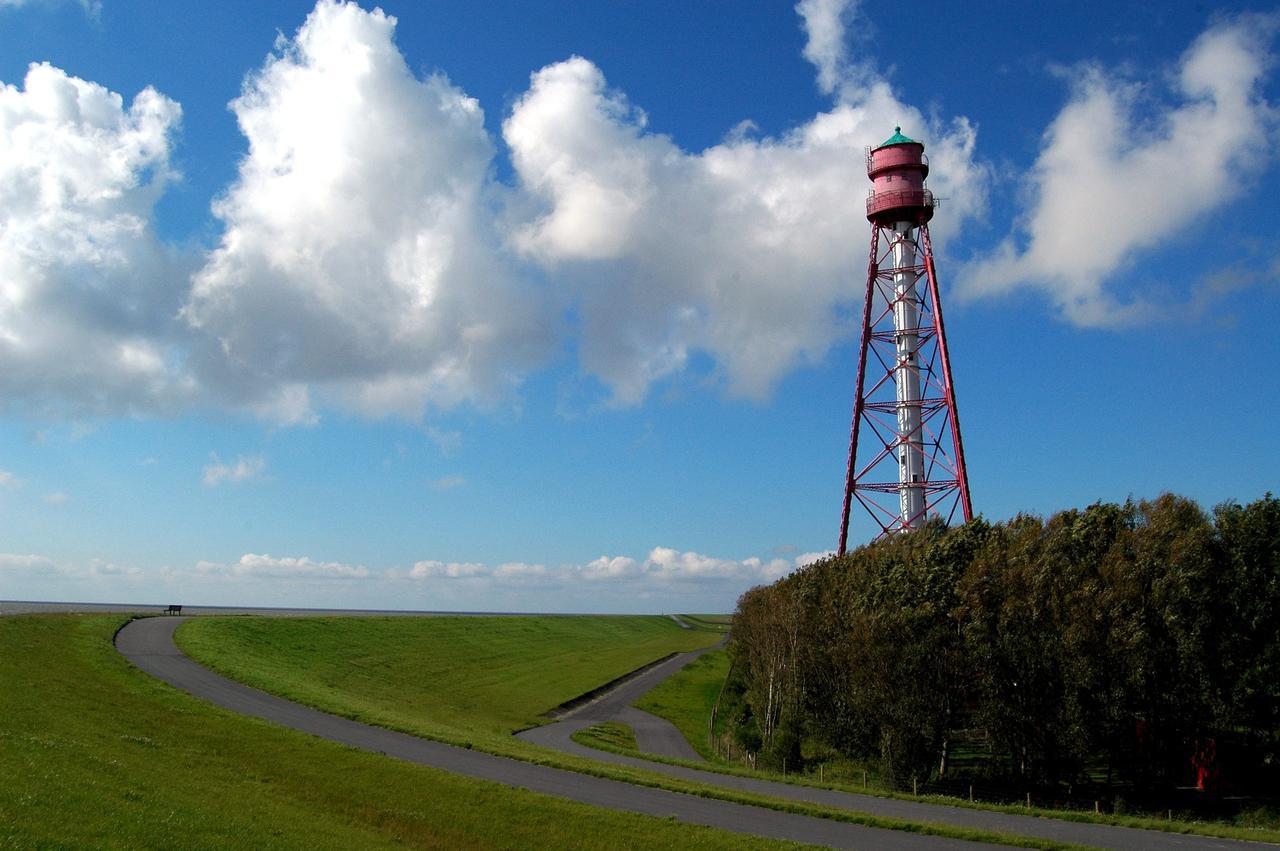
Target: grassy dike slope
{"type": "Point", "coordinates": [94, 753]}
{"type": "Point", "coordinates": [459, 679]}
{"type": "Point", "coordinates": [473, 680]}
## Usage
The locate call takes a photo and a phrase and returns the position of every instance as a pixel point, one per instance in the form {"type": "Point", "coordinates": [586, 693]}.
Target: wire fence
{"type": "Point", "coordinates": [1182, 803]}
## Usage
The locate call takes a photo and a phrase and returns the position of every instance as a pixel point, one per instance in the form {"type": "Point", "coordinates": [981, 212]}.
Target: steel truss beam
{"type": "Point", "coordinates": [872, 477]}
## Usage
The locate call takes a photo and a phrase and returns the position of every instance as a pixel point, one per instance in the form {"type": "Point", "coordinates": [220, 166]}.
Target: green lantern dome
{"type": "Point", "coordinates": [896, 139]}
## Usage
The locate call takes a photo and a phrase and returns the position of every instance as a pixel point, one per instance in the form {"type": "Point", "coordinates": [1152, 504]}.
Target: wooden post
{"type": "Point", "coordinates": [1097, 808]}
{"type": "Point", "coordinates": [1028, 800]}
{"type": "Point", "coordinates": [821, 766]}
{"type": "Point", "coordinates": [971, 793]}
{"type": "Point", "coordinates": [864, 778]}
{"type": "Point", "coordinates": [915, 790]}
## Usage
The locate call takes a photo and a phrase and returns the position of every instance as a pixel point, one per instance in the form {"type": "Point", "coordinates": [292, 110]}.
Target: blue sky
{"type": "Point", "coordinates": [550, 306]}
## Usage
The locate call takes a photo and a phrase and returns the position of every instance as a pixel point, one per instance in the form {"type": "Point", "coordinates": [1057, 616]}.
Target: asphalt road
{"type": "Point", "coordinates": [148, 644]}
{"type": "Point", "coordinates": [654, 735]}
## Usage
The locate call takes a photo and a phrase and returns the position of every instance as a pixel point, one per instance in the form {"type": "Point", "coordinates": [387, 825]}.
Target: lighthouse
{"type": "Point", "coordinates": [906, 458]}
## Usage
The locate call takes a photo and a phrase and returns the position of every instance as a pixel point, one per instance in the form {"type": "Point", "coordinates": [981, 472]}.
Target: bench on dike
{"type": "Point", "coordinates": [173, 610]}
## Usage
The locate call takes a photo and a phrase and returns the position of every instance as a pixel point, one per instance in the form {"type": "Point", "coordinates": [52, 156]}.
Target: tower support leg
{"type": "Point", "coordinates": [872, 264]}
{"type": "Point", "coordinates": [906, 456]}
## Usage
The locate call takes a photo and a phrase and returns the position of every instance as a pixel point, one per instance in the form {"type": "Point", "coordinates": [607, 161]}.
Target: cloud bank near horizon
{"type": "Point", "coordinates": [611, 583]}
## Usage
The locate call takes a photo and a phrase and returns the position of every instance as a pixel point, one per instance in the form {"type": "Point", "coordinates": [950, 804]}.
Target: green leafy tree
{"type": "Point", "coordinates": [1249, 538]}
{"type": "Point", "coordinates": [1116, 635]}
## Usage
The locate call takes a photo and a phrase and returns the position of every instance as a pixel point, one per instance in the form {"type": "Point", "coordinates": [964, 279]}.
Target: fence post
{"type": "Point", "coordinates": [864, 778]}
{"type": "Point", "coordinates": [971, 793]}
{"type": "Point", "coordinates": [914, 788]}
{"type": "Point", "coordinates": [1028, 800]}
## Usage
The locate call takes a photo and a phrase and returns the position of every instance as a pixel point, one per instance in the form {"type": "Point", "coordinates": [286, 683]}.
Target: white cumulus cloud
{"type": "Point", "coordinates": [37, 566]}
{"type": "Point", "coordinates": [664, 579]}
{"type": "Point", "coordinates": [1116, 178]}
{"type": "Point", "coordinates": [102, 569]}
{"type": "Point", "coordinates": [805, 559]}
{"type": "Point", "coordinates": [242, 469]}
{"type": "Point", "coordinates": [611, 567]}
{"type": "Point", "coordinates": [827, 45]}
{"type": "Point", "coordinates": [450, 570]}
{"type": "Point", "coordinates": [87, 292]}
{"type": "Point", "coordinates": [92, 8]}
{"type": "Point", "coordinates": [358, 257]}
{"type": "Point", "coordinates": [25, 563]}
{"type": "Point", "coordinates": [252, 565]}
{"type": "Point", "coordinates": [745, 251]}
{"type": "Point", "coordinates": [660, 569]}
{"type": "Point", "coordinates": [371, 261]}
{"type": "Point", "coordinates": [448, 483]}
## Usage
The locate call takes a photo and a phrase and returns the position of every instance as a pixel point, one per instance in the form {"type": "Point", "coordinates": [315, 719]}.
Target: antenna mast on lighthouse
{"type": "Point", "coordinates": [906, 460]}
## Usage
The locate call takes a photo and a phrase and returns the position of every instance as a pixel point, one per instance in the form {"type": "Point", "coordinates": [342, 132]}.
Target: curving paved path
{"type": "Point", "coordinates": [654, 735]}
{"type": "Point", "coordinates": [148, 644]}
{"type": "Point", "coordinates": [614, 706]}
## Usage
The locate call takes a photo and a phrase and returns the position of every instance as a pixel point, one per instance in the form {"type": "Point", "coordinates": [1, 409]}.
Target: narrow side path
{"type": "Point", "coordinates": [148, 644]}
{"type": "Point", "coordinates": [615, 706]}
{"type": "Point", "coordinates": [654, 735]}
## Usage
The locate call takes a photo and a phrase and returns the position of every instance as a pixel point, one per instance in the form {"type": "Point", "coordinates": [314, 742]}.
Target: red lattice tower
{"type": "Point", "coordinates": [906, 459]}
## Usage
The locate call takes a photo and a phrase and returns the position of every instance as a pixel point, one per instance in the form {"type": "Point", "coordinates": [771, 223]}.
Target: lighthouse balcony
{"type": "Point", "coordinates": [901, 205]}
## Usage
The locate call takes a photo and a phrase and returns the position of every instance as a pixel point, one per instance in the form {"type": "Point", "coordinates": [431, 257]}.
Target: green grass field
{"type": "Point", "coordinates": [458, 679]}
{"type": "Point", "coordinates": [687, 697]}
{"type": "Point", "coordinates": [97, 754]}
{"type": "Point", "coordinates": [716, 622]}
{"type": "Point", "coordinates": [610, 734]}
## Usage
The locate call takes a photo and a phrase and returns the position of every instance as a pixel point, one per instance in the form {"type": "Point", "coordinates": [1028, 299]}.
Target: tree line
{"type": "Point", "coordinates": [1118, 646]}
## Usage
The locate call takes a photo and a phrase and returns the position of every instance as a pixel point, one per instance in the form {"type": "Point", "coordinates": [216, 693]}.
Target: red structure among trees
{"type": "Point", "coordinates": [906, 459]}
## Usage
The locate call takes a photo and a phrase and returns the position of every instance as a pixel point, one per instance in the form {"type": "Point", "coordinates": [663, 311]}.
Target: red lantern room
{"type": "Point", "coordinates": [897, 168]}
